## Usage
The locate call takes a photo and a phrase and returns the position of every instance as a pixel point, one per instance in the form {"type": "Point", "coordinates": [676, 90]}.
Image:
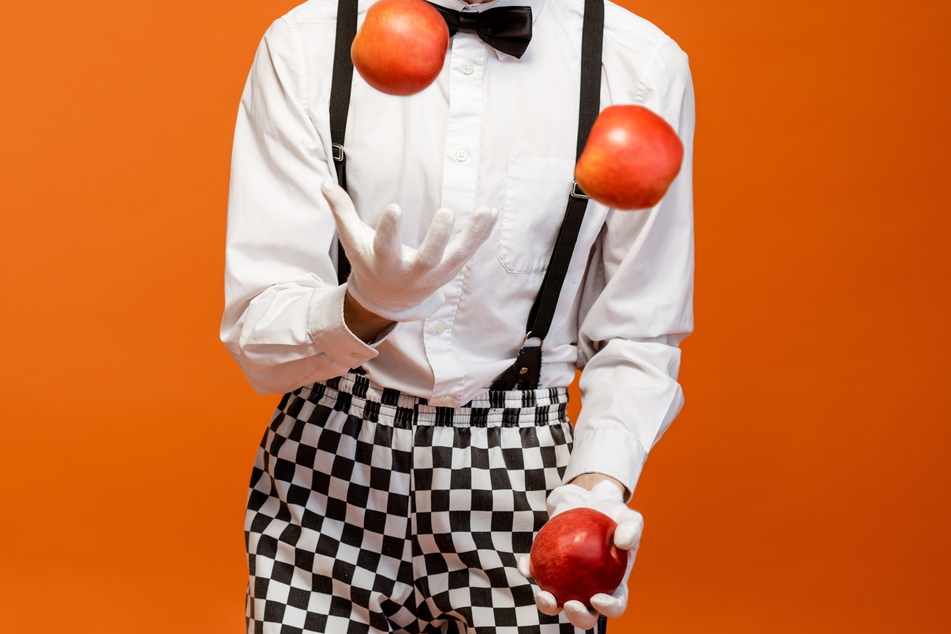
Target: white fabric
{"type": "Point", "coordinates": [392, 280]}
{"type": "Point", "coordinates": [492, 131]}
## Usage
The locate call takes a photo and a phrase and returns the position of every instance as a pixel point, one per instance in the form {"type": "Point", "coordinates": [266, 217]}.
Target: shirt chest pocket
{"type": "Point", "coordinates": [536, 195]}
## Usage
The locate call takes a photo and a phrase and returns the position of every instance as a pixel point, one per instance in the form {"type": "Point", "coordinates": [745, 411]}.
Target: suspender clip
{"type": "Point", "coordinates": [576, 191]}
{"type": "Point", "coordinates": [338, 154]}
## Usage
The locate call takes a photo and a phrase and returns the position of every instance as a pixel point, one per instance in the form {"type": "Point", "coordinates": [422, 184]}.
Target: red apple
{"type": "Point", "coordinates": [401, 46]}
{"type": "Point", "coordinates": [574, 556]}
{"type": "Point", "coordinates": [631, 157]}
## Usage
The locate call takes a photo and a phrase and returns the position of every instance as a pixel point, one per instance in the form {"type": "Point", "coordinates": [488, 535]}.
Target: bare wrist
{"type": "Point", "coordinates": [362, 322]}
{"type": "Point", "coordinates": [590, 480]}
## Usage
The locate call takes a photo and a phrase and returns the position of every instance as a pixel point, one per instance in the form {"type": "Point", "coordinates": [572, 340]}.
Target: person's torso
{"type": "Point", "coordinates": [494, 131]}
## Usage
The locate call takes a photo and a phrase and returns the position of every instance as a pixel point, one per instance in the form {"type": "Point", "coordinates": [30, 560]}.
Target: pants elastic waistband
{"type": "Point", "coordinates": [355, 395]}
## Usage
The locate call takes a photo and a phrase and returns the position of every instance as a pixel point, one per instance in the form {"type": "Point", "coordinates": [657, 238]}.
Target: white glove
{"type": "Point", "coordinates": [607, 498]}
{"type": "Point", "coordinates": [393, 280]}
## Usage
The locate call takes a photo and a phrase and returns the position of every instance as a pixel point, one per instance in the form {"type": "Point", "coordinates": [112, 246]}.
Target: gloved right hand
{"type": "Point", "coordinates": [607, 498]}
{"type": "Point", "coordinates": [395, 281]}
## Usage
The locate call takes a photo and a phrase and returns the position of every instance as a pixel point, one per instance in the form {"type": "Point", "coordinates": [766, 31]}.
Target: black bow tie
{"type": "Point", "coordinates": [507, 29]}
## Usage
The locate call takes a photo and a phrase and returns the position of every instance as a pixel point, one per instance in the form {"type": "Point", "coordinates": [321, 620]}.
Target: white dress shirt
{"type": "Point", "coordinates": [495, 131]}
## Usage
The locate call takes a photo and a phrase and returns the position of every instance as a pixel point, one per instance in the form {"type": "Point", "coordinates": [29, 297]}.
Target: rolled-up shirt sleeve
{"type": "Point", "coordinates": [637, 305]}
{"type": "Point", "coordinates": [283, 320]}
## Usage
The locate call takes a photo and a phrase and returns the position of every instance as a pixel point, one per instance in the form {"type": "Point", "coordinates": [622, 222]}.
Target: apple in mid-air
{"type": "Point", "coordinates": [574, 557]}
{"type": "Point", "coordinates": [401, 46]}
{"type": "Point", "coordinates": [630, 158]}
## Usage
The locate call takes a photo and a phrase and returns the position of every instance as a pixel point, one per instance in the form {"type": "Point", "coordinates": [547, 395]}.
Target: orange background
{"type": "Point", "coordinates": [804, 487]}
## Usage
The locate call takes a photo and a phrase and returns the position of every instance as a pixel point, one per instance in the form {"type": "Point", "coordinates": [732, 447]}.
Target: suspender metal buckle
{"type": "Point", "coordinates": [338, 152]}
{"type": "Point", "coordinates": [531, 341]}
{"type": "Point", "coordinates": [576, 191]}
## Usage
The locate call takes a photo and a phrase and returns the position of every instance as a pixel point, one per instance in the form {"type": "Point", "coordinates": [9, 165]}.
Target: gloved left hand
{"type": "Point", "coordinates": [607, 498]}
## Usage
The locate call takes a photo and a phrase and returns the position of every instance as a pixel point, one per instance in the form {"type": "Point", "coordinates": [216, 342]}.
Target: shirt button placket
{"type": "Point", "coordinates": [460, 175]}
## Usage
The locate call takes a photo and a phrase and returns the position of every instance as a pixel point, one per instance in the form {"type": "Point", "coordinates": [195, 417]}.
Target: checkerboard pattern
{"type": "Point", "coordinates": [373, 511]}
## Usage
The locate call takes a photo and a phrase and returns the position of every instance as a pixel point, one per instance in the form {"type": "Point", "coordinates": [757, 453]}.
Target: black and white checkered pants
{"type": "Point", "coordinates": [373, 511]}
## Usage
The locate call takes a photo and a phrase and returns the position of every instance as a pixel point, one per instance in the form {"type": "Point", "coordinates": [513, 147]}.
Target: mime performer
{"type": "Point", "coordinates": [422, 438]}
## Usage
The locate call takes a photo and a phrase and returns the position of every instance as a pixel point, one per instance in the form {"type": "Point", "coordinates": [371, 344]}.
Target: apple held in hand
{"type": "Point", "coordinates": [631, 157]}
{"type": "Point", "coordinates": [574, 556]}
{"type": "Point", "coordinates": [401, 46]}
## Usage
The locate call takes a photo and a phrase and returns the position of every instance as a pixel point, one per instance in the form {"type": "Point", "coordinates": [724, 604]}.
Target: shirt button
{"type": "Point", "coordinates": [461, 155]}
{"type": "Point", "coordinates": [467, 68]}
{"type": "Point", "coordinates": [439, 327]}
{"type": "Point", "coordinates": [447, 400]}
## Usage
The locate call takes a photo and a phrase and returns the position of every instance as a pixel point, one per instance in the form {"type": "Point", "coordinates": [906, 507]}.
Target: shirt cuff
{"type": "Point", "coordinates": [611, 452]}
{"type": "Point", "coordinates": [329, 331]}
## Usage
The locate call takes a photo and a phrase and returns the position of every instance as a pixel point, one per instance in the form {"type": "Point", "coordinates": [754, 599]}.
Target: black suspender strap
{"type": "Point", "coordinates": [539, 320]}
{"type": "Point", "coordinates": [525, 372]}
{"type": "Point", "coordinates": [340, 105]}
